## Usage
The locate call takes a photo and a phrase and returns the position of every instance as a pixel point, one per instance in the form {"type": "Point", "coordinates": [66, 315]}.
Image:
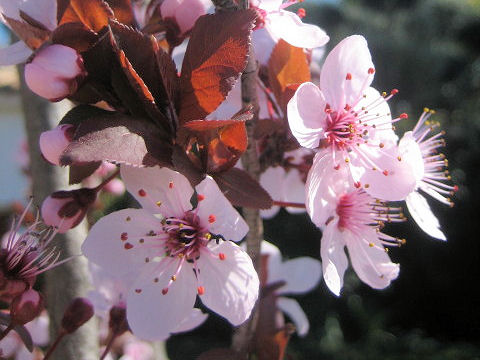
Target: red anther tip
{"type": "Point", "coordinates": [357, 184]}
{"type": "Point", "coordinates": [403, 116]}
{"type": "Point", "coordinates": [349, 76]}
{"type": "Point", "coordinates": [347, 107]}
{"type": "Point", "coordinates": [371, 70]}
{"type": "Point", "coordinates": [164, 291]}
{"type": "Point", "coordinates": [385, 172]}
{"type": "Point", "coordinates": [201, 290]}
{"type": "Point", "coordinates": [138, 291]}
{"type": "Point", "coordinates": [170, 184]}
{"type": "Point", "coordinates": [142, 193]}
{"type": "Point", "coordinates": [301, 13]}
{"type": "Point", "coordinates": [455, 188]}
{"type": "Point", "coordinates": [124, 236]}
{"type": "Point", "coordinates": [128, 246]}
{"type": "Point", "coordinates": [394, 92]}
{"type": "Point", "coordinates": [337, 167]}
{"type": "Point", "coordinates": [221, 256]}
{"type": "Point", "coordinates": [211, 218]}
{"type": "Point", "coordinates": [200, 197]}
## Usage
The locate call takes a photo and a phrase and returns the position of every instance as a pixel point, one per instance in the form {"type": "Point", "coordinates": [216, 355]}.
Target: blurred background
{"type": "Point", "coordinates": [430, 51]}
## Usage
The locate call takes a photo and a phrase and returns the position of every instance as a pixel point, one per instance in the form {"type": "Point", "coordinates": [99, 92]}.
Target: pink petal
{"type": "Point", "coordinates": [301, 275]}
{"type": "Point", "coordinates": [294, 191]}
{"type": "Point", "coordinates": [114, 241]}
{"type": "Point", "coordinates": [189, 11]}
{"type": "Point", "coordinates": [371, 263]}
{"type": "Point", "coordinates": [334, 260]}
{"type": "Point", "coordinates": [294, 311]}
{"type": "Point", "coordinates": [350, 56]}
{"type": "Point", "coordinates": [231, 285]}
{"type": "Point", "coordinates": [153, 315]}
{"type": "Point", "coordinates": [226, 220]}
{"type": "Point", "coordinates": [306, 115]}
{"type": "Point", "coordinates": [410, 152]}
{"type": "Point", "coordinates": [196, 318]}
{"type": "Point", "coordinates": [274, 260]}
{"type": "Point", "coordinates": [158, 190]}
{"type": "Point", "coordinates": [272, 181]}
{"type": "Point", "coordinates": [10, 9]}
{"type": "Point", "coordinates": [288, 26]}
{"type": "Point", "coordinates": [422, 214]}
{"type": "Point", "coordinates": [14, 54]}
{"type": "Point", "coordinates": [44, 11]}
{"type": "Point", "coordinates": [263, 45]}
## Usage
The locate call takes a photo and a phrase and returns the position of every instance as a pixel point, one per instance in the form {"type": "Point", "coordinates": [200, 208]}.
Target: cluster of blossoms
{"type": "Point", "coordinates": [328, 149]}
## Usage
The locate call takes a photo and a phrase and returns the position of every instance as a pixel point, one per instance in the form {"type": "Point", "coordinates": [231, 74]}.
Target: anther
{"type": "Point", "coordinates": [394, 92]}
{"type": "Point", "coordinates": [174, 278]}
{"type": "Point", "coordinates": [403, 116]}
{"type": "Point", "coordinates": [385, 172]}
{"type": "Point", "coordinates": [200, 197]}
{"type": "Point", "coordinates": [371, 244]}
{"type": "Point", "coordinates": [371, 71]}
{"type": "Point", "coordinates": [221, 256]}
{"type": "Point", "coordinates": [211, 218]}
{"type": "Point", "coordinates": [128, 218]}
{"type": "Point", "coordinates": [170, 184]}
{"type": "Point", "coordinates": [158, 203]}
{"type": "Point", "coordinates": [124, 236]}
{"type": "Point", "coordinates": [349, 76]}
{"type": "Point", "coordinates": [357, 184]}
{"type": "Point", "coordinates": [201, 290]}
{"type": "Point", "coordinates": [301, 13]}
{"type": "Point", "coordinates": [128, 246]}
{"type": "Point", "coordinates": [142, 193]}
{"type": "Point", "coordinates": [381, 145]}
{"type": "Point", "coordinates": [164, 291]}
{"type": "Point", "coordinates": [138, 291]}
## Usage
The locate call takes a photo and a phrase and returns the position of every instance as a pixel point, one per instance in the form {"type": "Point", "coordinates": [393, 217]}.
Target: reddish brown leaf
{"type": "Point", "coordinates": [33, 36]}
{"type": "Point", "coordinates": [118, 138]}
{"type": "Point", "coordinates": [184, 165]}
{"type": "Point", "coordinates": [214, 145]}
{"type": "Point", "coordinates": [242, 190]}
{"type": "Point", "coordinates": [287, 65]}
{"type": "Point", "coordinates": [123, 11]}
{"type": "Point", "coordinates": [215, 57]}
{"type": "Point", "coordinates": [74, 35]}
{"type": "Point", "coordinates": [78, 173]}
{"type": "Point", "coordinates": [94, 14]}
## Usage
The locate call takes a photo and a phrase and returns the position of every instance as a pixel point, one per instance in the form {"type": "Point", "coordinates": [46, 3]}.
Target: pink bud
{"type": "Point", "coordinates": [66, 209]}
{"type": "Point", "coordinates": [77, 313]}
{"type": "Point", "coordinates": [53, 142]}
{"type": "Point", "coordinates": [115, 187]}
{"type": "Point", "coordinates": [26, 307]}
{"type": "Point", "coordinates": [184, 12]}
{"type": "Point", "coordinates": [55, 72]}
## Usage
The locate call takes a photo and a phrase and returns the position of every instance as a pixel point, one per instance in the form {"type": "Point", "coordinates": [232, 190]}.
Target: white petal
{"type": "Point", "coordinates": [104, 245]}
{"type": "Point", "coordinates": [288, 26]}
{"type": "Point", "coordinates": [227, 221]}
{"type": "Point", "coordinates": [44, 11]}
{"type": "Point", "coordinates": [153, 315]}
{"type": "Point", "coordinates": [371, 263]}
{"type": "Point", "coordinates": [274, 261]}
{"type": "Point", "coordinates": [410, 152]}
{"type": "Point", "coordinates": [195, 319]}
{"type": "Point", "coordinates": [263, 45]}
{"type": "Point", "coordinates": [272, 181]}
{"type": "Point", "coordinates": [350, 56]}
{"type": "Point", "coordinates": [268, 5]}
{"type": "Point", "coordinates": [14, 54]}
{"type": "Point", "coordinates": [10, 9]}
{"type": "Point", "coordinates": [422, 214]}
{"type": "Point", "coordinates": [306, 116]}
{"type": "Point", "coordinates": [294, 191]}
{"type": "Point", "coordinates": [231, 285]}
{"type": "Point", "coordinates": [169, 188]}
{"type": "Point", "coordinates": [294, 311]}
{"type": "Point", "coordinates": [334, 260]}
{"type": "Point", "coordinates": [301, 275]}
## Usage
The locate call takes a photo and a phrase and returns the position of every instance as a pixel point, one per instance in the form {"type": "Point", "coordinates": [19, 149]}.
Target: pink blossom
{"type": "Point", "coordinates": [419, 148]}
{"type": "Point", "coordinates": [349, 217]}
{"type": "Point", "coordinates": [293, 274]}
{"type": "Point", "coordinates": [184, 13]}
{"type": "Point", "coordinates": [275, 23]}
{"type": "Point", "coordinates": [55, 72]}
{"type": "Point", "coordinates": [351, 122]}
{"type": "Point", "coordinates": [175, 252]}
{"type": "Point", "coordinates": [54, 142]}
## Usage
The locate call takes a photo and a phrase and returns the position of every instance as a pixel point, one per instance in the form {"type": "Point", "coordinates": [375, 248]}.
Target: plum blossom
{"type": "Point", "coordinates": [184, 12]}
{"type": "Point", "coordinates": [419, 147]}
{"type": "Point", "coordinates": [298, 276]}
{"type": "Point", "coordinates": [175, 251]}
{"type": "Point", "coordinates": [351, 122]}
{"type": "Point", "coordinates": [275, 23]}
{"type": "Point", "coordinates": [54, 142]}
{"type": "Point", "coordinates": [349, 217]}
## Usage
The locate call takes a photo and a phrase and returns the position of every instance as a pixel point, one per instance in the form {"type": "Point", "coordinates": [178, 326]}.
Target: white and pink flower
{"type": "Point", "coordinates": [351, 122]}
{"type": "Point", "coordinates": [349, 217]}
{"type": "Point", "coordinates": [175, 251]}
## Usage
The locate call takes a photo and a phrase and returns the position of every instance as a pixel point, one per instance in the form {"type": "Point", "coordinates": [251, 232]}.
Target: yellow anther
{"type": "Point", "coordinates": [159, 203]}
{"type": "Point", "coordinates": [208, 236]}
{"type": "Point", "coordinates": [180, 225]}
{"type": "Point", "coordinates": [371, 244]}
{"type": "Point", "coordinates": [399, 158]}
{"type": "Point", "coordinates": [347, 160]}
{"type": "Point", "coordinates": [173, 278]}
{"type": "Point", "coordinates": [384, 94]}
{"type": "Point", "coordinates": [425, 109]}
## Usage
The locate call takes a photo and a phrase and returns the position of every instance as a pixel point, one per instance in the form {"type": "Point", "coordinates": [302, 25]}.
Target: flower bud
{"type": "Point", "coordinates": [184, 12]}
{"type": "Point", "coordinates": [26, 307]}
{"type": "Point", "coordinates": [53, 142]}
{"type": "Point", "coordinates": [66, 209]}
{"type": "Point", "coordinates": [55, 72]}
{"type": "Point", "coordinates": [77, 313]}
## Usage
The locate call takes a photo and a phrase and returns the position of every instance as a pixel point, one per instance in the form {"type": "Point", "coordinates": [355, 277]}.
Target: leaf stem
{"type": "Point", "coordinates": [59, 338]}
{"type": "Point", "coordinates": [289, 204]}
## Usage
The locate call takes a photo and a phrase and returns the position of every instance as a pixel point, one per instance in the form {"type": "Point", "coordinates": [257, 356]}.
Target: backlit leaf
{"type": "Point", "coordinates": [94, 14]}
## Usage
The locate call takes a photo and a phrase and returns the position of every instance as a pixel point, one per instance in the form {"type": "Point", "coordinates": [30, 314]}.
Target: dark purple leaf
{"type": "Point", "coordinates": [78, 173]}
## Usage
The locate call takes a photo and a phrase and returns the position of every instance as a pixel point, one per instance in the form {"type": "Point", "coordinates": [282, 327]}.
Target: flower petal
{"type": "Point", "coordinates": [154, 186]}
{"type": "Point", "coordinates": [153, 315]}
{"type": "Point", "coordinates": [301, 275]}
{"type": "Point", "coordinates": [371, 263]}
{"type": "Point", "coordinates": [274, 260]}
{"type": "Point", "coordinates": [422, 214]}
{"type": "Point", "coordinates": [113, 242]}
{"type": "Point", "coordinates": [231, 285]}
{"type": "Point", "coordinates": [295, 312]}
{"type": "Point", "coordinates": [350, 58]}
{"type": "Point", "coordinates": [288, 26]}
{"type": "Point", "coordinates": [334, 260]}
{"type": "Point", "coordinates": [306, 116]}
{"type": "Point", "coordinates": [226, 220]}
{"type": "Point", "coordinates": [196, 318]}
{"type": "Point", "coordinates": [44, 11]}
{"type": "Point", "coordinates": [263, 45]}
{"type": "Point", "coordinates": [294, 191]}
{"type": "Point", "coordinates": [272, 181]}
{"type": "Point", "coordinates": [14, 54]}
{"type": "Point", "coordinates": [410, 152]}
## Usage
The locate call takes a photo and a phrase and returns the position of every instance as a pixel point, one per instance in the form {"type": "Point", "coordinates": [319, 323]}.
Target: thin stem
{"type": "Point", "coordinates": [289, 204]}
{"type": "Point", "coordinates": [107, 180]}
{"type": "Point", "coordinates": [59, 338]}
{"type": "Point", "coordinates": [112, 337]}
{"type": "Point", "coordinates": [6, 331]}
